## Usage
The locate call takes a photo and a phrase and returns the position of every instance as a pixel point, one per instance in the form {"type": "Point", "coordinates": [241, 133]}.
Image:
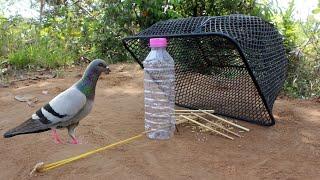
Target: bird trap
{"type": "Point", "coordinates": [233, 64]}
{"type": "Point", "coordinates": [208, 122]}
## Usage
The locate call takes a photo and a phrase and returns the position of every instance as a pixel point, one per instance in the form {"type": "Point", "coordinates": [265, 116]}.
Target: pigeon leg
{"type": "Point", "coordinates": [74, 141]}
{"type": "Point", "coordinates": [71, 132]}
{"type": "Point", "coordinates": [56, 137]}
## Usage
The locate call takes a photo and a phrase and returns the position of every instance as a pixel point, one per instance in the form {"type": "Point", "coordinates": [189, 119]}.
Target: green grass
{"type": "Point", "coordinates": [43, 54]}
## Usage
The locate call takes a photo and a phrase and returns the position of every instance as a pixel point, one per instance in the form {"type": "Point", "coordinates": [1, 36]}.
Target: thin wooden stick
{"type": "Point", "coordinates": [228, 122]}
{"type": "Point", "coordinates": [192, 110]}
{"type": "Point", "coordinates": [177, 123]}
{"type": "Point", "coordinates": [196, 122]}
{"type": "Point", "coordinates": [219, 126]}
{"type": "Point", "coordinates": [186, 113]}
{"type": "Point", "coordinates": [180, 122]}
{"type": "Point", "coordinates": [41, 167]}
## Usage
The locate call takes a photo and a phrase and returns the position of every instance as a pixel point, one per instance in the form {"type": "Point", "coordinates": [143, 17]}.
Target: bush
{"type": "Point", "coordinates": [94, 29]}
{"type": "Point", "coordinates": [43, 53]}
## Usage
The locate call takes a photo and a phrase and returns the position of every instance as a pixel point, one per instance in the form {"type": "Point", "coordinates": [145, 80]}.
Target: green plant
{"type": "Point", "coordinates": [42, 53]}
{"type": "Point", "coordinates": [67, 30]}
{"type": "Point", "coordinates": [302, 42]}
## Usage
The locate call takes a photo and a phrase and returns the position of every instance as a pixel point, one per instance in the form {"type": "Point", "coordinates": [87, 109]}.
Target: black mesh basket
{"type": "Point", "coordinates": [233, 64]}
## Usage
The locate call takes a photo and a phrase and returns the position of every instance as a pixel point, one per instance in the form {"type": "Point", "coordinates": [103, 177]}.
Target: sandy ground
{"type": "Point", "coordinates": [288, 150]}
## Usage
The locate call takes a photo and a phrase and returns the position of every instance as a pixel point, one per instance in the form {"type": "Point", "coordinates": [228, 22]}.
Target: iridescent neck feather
{"type": "Point", "coordinates": [87, 84]}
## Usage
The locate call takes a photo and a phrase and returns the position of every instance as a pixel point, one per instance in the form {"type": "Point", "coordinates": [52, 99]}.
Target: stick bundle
{"type": "Point", "coordinates": [192, 116]}
{"type": "Point", "coordinates": [207, 127]}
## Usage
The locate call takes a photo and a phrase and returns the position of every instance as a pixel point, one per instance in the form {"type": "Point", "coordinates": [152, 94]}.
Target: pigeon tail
{"type": "Point", "coordinates": [28, 127]}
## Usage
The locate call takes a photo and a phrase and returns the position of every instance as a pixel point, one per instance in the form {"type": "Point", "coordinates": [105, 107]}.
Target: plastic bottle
{"type": "Point", "coordinates": [159, 92]}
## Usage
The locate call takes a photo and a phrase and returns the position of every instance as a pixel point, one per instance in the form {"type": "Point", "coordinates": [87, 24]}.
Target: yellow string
{"type": "Point", "coordinates": [47, 167]}
{"type": "Point", "coordinates": [40, 167]}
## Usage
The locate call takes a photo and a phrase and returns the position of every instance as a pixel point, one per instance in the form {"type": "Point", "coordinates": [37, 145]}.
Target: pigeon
{"type": "Point", "coordinates": [67, 108]}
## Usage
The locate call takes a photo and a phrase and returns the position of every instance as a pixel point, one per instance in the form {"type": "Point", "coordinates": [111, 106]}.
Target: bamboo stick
{"type": "Point", "coordinates": [187, 113]}
{"type": "Point", "coordinates": [180, 122]}
{"type": "Point", "coordinates": [177, 123]}
{"type": "Point", "coordinates": [196, 122]}
{"type": "Point", "coordinates": [228, 122]}
{"type": "Point", "coordinates": [219, 126]}
{"type": "Point", "coordinates": [191, 110]}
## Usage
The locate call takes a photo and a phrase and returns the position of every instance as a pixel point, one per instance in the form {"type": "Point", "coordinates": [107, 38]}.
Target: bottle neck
{"type": "Point", "coordinates": [158, 48]}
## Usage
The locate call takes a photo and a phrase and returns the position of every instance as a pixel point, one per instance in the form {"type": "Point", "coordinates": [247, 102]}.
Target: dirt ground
{"type": "Point", "coordinates": [288, 150]}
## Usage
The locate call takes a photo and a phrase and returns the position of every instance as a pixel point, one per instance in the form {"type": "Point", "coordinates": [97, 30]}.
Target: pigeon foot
{"type": "Point", "coordinates": [56, 137]}
{"type": "Point", "coordinates": [74, 141]}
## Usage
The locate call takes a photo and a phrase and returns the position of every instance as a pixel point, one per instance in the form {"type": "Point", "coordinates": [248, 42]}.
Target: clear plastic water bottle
{"type": "Point", "coordinates": [159, 81]}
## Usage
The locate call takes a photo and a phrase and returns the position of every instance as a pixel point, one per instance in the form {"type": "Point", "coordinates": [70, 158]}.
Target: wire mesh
{"type": "Point", "coordinates": [233, 64]}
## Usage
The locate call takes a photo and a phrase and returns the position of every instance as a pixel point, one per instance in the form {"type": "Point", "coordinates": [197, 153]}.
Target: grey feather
{"type": "Point", "coordinates": [29, 126]}
{"type": "Point", "coordinates": [67, 108]}
{"type": "Point", "coordinates": [69, 101]}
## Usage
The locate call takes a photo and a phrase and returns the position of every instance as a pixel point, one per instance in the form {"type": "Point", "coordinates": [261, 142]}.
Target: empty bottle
{"type": "Point", "coordinates": [159, 82]}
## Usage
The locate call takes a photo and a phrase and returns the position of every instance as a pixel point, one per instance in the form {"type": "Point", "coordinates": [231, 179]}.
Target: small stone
{"type": "Point", "coordinates": [3, 85]}
{"type": "Point", "coordinates": [30, 103]}
{"type": "Point", "coordinates": [45, 92]}
{"type": "Point", "coordinates": [3, 71]}
{"type": "Point", "coordinates": [26, 98]}
{"type": "Point", "coordinates": [23, 98]}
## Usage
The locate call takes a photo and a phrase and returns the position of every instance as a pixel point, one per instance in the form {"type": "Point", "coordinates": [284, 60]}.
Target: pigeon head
{"type": "Point", "coordinates": [98, 66]}
{"type": "Point", "coordinates": [87, 83]}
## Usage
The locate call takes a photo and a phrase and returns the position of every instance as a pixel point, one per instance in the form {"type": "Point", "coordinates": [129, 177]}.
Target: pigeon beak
{"type": "Point", "coordinates": [107, 71]}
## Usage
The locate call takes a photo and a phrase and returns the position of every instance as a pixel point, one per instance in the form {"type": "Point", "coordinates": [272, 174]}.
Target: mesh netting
{"type": "Point", "coordinates": [233, 64]}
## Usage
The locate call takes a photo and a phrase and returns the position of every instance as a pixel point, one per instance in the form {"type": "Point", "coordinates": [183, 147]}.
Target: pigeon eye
{"type": "Point", "coordinates": [100, 64]}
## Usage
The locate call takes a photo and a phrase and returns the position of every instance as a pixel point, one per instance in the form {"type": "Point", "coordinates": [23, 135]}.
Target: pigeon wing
{"type": "Point", "coordinates": [64, 106]}
{"type": "Point", "coordinates": [60, 109]}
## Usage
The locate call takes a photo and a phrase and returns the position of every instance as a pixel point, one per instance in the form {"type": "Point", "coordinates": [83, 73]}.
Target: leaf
{"type": "Point", "coordinates": [316, 11]}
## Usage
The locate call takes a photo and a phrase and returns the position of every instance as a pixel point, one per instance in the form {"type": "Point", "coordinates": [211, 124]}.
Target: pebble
{"type": "Point", "coordinates": [45, 92]}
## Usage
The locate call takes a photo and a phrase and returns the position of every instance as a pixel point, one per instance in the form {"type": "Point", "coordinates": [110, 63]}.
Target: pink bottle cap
{"type": "Point", "coordinates": [158, 42]}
